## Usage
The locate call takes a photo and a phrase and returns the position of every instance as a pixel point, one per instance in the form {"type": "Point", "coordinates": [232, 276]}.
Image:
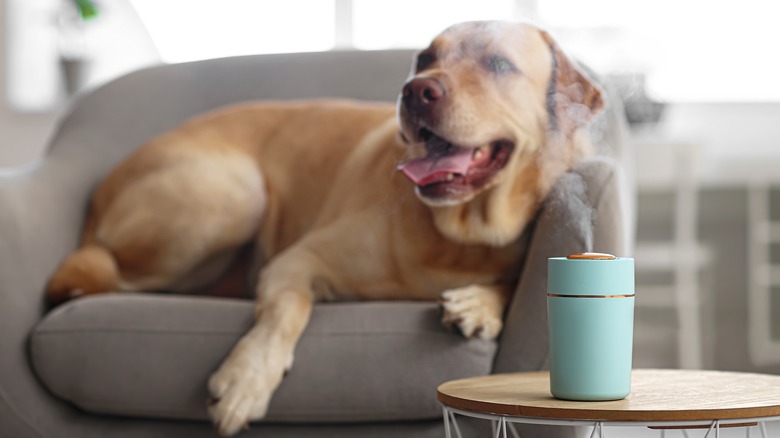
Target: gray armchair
{"type": "Point", "coordinates": [136, 365]}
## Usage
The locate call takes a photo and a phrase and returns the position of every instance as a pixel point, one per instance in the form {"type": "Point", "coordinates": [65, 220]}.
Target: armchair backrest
{"type": "Point", "coordinates": [113, 120]}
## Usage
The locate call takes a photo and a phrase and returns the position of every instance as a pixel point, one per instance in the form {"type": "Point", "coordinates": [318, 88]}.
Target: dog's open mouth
{"type": "Point", "coordinates": [451, 169]}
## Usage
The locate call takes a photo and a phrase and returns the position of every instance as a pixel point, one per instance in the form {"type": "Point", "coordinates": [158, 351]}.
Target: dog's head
{"type": "Point", "coordinates": [481, 102]}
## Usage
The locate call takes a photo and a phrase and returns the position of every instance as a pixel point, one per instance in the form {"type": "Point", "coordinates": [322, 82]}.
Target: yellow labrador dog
{"type": "Point", "coordinates": [347, 200]}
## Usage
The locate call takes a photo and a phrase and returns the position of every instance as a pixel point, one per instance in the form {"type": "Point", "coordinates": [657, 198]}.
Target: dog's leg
{"type": "Point", "coordinates": [476, 310]}
{"type": "Point", "coordinates": [242, 386]}
{"type": "Point", "coordinates": [172, 227]}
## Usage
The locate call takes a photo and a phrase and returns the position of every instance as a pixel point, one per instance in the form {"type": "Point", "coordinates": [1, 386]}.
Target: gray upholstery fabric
{"type": "Point", "coordinates": [150, 356]}
{"type": "Point", "coordinates": [41, 213]}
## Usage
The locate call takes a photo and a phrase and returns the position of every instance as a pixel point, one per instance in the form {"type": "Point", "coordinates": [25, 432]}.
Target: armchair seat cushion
{"type": "Point", "coordinates": [144, 355]}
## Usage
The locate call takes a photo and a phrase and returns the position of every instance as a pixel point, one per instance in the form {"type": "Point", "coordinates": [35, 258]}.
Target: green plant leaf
{"type": "Point", "coordinates": [87, 9]}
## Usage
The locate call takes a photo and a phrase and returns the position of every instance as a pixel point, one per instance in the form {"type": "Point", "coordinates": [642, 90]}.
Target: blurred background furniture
{"type": "Point", "coordinates": [669, 260]}
{"type": "Point", "coordinates": [764, 272]}
{"type": "Point", "coordinates": [137, 365]}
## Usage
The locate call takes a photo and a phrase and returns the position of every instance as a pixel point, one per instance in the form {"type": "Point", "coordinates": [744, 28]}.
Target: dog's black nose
{"type": "Point", "coordinates": [420, 94]}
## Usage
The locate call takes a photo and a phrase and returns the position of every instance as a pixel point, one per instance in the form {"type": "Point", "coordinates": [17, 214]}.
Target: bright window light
{"type": "Point", "coordinates": [682, 51]}
{"type": "Point", "coordinates": [692, 50]}
{"type": "Point", "coordinates": [189, 30]}
{"type": "Point", "coordinates": [414, 23]}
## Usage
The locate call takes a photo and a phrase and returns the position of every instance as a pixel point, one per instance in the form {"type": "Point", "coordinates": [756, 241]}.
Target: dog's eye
{"type": "Point", "coordinates": [499, 64]}
{"type": "Point", "coordinates": [425, 60]}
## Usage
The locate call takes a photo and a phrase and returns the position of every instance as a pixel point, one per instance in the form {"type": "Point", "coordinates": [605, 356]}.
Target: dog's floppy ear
{"type": "Point", "coordinates": [573, 98]}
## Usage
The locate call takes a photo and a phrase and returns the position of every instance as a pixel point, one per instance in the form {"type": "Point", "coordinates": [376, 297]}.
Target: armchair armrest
{"type": "Point", "coordinates": [39, 222]}
{"type": "Point", "coordinates": [584, 212]}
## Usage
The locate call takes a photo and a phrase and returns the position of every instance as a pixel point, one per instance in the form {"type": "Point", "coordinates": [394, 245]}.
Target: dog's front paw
{"type": "Point", "coordinates": [241, 390]}
{"type": "Point", "coordinates": [474, 310]}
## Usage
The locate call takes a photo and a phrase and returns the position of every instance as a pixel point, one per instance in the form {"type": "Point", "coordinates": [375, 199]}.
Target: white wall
{"type": "Point", "coordinates": [22, 136]}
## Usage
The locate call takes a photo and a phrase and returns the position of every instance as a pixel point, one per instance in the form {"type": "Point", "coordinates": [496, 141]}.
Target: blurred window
{"type": "Point", "coordinates": [414, 23]}
{"type": "Point", "coordinates": [672, 50]}
{"type": "Point", "coordinates": [689, 50]}
{"type": "Point", "coordinates": [692, 50]}
{"type": "Point", "coordinates": [190, 30]}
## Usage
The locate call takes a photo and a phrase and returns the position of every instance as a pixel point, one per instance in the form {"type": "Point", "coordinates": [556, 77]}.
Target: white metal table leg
{"type": "Point", "coordinates": [450, 422]}
{"type": "Point", "coordinates": [714, 426]}
{"type": "Point", "coordinates": [598, 426]}
{"type": "Point", "coordinates": [455, 424]}
{"type": "Point", "coordinates": [501, 428]}
{"type": "Point", "coordinates": [446, 422]}
{"type": "Point", "coordinates": [500, 424]}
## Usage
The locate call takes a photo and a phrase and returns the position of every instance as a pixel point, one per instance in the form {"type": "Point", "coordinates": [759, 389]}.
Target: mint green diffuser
{"type": "Point", "coordinates": [590, 310]}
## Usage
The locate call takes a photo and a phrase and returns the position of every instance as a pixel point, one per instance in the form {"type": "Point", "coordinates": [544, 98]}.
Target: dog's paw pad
{"type": "Point", "coordinates": [237, 397]}
{"type": "Point", "coordinates": [471, 312]}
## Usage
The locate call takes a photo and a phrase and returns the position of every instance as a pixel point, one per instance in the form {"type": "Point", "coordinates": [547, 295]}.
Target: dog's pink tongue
{"type": "Point", "coordinates": [433, 169]}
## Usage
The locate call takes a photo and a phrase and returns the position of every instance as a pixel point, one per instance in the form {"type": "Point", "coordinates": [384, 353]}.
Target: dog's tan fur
{"type": "Point", "coordinates": [315, 184]}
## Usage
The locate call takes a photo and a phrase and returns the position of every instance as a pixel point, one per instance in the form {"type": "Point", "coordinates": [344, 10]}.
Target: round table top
{"type": "Point", "coordinates": [656, 395]}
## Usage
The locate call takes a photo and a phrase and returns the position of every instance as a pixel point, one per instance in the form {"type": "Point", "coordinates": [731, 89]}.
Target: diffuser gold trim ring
{"type": "Point", "coordinates": [591, 296]}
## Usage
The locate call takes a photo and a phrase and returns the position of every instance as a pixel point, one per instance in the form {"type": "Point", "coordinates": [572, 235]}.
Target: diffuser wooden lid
{"type": "Point", "coordinates": [591, 256]}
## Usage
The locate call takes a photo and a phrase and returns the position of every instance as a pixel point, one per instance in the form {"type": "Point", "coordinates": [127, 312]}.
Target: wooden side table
{"type": "Point", "coordinates": [660, 399]}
